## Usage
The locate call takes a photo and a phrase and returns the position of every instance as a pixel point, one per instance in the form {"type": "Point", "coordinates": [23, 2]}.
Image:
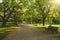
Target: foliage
{"type": "Point", "coordinates": [30, 11]}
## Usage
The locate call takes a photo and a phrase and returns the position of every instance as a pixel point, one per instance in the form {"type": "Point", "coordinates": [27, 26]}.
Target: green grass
{"type": "Point", "coordinates": [59, 29]}
{"type": "Point", "coordinates": [8, 24]}
{"type": "Point", "coordinates": [5, 31]}
{"type": "Point", "coordinates": [40, 26]}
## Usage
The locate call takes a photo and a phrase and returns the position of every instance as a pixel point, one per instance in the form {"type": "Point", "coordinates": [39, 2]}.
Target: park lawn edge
{"type": "Point", "coordinates": [5, 31]}
{"type": "Point", "coordinates": [39, 26]}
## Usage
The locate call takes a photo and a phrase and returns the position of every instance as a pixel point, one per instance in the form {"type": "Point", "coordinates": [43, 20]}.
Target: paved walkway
{"type": "Point", "coordinates": [30, 33]}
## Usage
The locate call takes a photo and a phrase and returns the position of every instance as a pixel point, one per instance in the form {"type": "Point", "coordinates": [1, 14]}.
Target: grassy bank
{"type": "Point", "coordinates": [5, 31]}
{"type": "Point", "coordinates": [40, 26]}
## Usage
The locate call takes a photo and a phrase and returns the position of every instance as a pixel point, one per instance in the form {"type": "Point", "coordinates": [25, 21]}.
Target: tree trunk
{"type": "Point", "coordinates": [43, 21]}
{"type": "Point", "coordinates": [15, 19]}
{"type": "Point", "coordinates": [4, 20]}
{"type": "Point", "coordinates": [3, 23]}
{"type": "Point", "coordinates": [15, 22]}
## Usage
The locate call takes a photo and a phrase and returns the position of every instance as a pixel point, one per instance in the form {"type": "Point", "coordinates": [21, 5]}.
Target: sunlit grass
{"type": "Point", "coordinates": [40, 26]}
{"type": "Point", "coordinates": [5, 31]}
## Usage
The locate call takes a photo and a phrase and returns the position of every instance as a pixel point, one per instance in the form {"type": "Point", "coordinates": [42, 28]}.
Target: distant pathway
{"type": "Point", "coordinates": [27, 32]}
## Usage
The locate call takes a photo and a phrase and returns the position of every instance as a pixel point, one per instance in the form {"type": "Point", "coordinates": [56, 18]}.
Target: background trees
{"type": "Point", "coordinates": [30, 11]}
{"type": "Point", "coordinates": [43, 8]}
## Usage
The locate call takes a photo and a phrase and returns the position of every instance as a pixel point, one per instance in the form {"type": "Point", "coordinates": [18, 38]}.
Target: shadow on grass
{"type": "Point", "coordinates": [5, 31]}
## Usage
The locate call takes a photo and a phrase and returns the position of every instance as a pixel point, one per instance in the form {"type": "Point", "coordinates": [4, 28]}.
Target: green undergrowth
{"type": "Point", "coordinates": [5, 31]}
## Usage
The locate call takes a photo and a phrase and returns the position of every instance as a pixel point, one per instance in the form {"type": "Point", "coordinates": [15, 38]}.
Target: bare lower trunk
{"type": "Point", "coordinates": [43, 21]}
{"type": "Point", "coordinates": [4, 23]}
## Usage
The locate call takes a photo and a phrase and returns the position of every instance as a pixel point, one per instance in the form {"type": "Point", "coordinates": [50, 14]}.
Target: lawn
{"type": "Point", "coordinates": [5, 31]}
{"type": "Point", "coordinates": [40, 26]}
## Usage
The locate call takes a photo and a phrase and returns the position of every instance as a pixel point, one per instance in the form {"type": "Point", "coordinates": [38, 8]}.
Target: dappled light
{"type": "Point", "coordinates": [57, 1]}
{"type": "Point", "coordinates": [30, 19]}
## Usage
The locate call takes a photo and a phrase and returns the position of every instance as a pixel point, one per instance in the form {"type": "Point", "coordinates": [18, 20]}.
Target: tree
{"type": "Point", "coordinates": [8, 10]}
{"type": "Point", "coordinates": [43, 8]}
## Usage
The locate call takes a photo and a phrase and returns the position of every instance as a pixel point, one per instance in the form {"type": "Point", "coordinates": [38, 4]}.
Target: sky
{"type": "Point", "coordinates": [0, 1]}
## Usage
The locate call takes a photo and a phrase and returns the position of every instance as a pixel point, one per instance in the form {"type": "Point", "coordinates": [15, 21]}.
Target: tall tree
{"type": "Point", "coordinates": [43, 7]}
{"type": "Point", "coordinates": [8, 9]}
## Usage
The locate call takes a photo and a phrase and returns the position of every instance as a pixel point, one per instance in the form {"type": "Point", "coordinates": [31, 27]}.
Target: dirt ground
{"type": "Point", "coordinates": [26, 32]}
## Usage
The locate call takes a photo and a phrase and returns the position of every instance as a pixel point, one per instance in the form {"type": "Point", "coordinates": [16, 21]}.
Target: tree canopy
{"type": "Point", "coordinates": [30, 11]}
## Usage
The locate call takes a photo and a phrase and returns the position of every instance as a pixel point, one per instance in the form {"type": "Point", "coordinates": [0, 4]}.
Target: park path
{"type": "Point", "coordinates": [27, 32]}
